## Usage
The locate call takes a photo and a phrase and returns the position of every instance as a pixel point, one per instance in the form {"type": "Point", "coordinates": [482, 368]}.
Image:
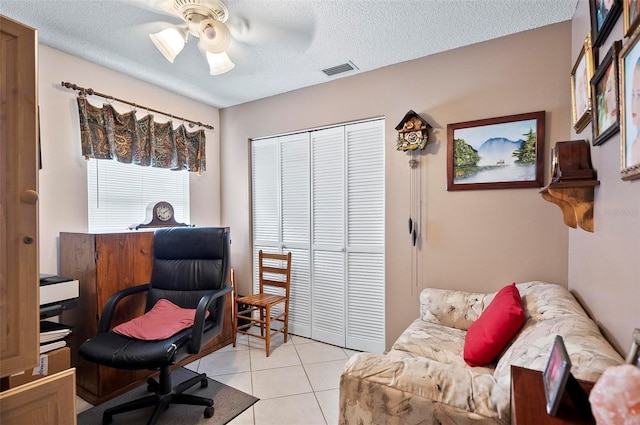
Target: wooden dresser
{"type": "Point", "coordinates": [103, 264]}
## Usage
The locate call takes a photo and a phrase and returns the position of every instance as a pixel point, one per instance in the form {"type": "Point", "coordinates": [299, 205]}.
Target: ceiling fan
{"type": "Point", "coordinates": [204, 19]}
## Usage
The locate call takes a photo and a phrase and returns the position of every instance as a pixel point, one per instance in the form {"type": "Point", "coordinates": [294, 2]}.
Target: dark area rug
{"type": "Point", "coordinates": [227, 401]}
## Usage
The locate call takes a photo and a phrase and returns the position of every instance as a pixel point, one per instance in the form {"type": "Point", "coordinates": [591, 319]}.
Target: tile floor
{"type": "Point", "coordinates": [297, 384]}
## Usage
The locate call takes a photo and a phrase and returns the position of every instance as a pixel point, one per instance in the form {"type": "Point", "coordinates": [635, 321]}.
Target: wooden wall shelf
{"type": "Point", "coordinates": [575, 199]}
{"type": "Point", "coordinates": [573, 183]}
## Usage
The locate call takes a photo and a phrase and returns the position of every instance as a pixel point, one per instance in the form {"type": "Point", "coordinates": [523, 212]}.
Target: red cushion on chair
{"type": "Point", "coordinates": [162, 321]}
{"type": "Point", "coordinates": [495, 327]}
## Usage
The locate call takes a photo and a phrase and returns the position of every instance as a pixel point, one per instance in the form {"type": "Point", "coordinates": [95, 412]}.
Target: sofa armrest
{"type": "Point", "coordinates": [383, 389]}
{"type": "Point", "coordinates": [455, 309]}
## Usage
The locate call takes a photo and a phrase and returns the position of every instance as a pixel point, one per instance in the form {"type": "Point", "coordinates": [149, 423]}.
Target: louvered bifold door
{"type": "Point", "coordinates": [265, 200]}
{"type": "Point", "coordinates": [295, 222]}
{"type": "Point", "coordinates": [365, 303]}
{"type": "Point", "coordinates": [327, 222]}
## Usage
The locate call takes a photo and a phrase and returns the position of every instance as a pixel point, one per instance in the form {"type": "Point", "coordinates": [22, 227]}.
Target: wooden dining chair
{"type": "Point", "coordinates": [271, 306]}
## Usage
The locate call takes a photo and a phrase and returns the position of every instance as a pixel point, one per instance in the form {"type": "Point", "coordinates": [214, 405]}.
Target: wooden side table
{"type": "Point", "coordinates": [528, 403]}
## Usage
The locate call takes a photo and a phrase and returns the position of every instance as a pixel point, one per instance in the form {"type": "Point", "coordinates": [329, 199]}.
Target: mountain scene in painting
{"type": "Point", "coordinates": [498, 151]}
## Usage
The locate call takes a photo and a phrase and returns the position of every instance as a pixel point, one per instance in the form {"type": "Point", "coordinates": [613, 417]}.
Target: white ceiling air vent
{"type": "Point", "coordinates": [339, 69]}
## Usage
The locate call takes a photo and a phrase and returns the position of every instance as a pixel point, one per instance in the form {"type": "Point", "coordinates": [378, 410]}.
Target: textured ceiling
{"type": "Point", "coordinates": [288, 42]}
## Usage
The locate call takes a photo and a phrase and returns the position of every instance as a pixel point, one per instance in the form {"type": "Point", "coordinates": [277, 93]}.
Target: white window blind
{"type": "Point", "coordinates": [118, 194]}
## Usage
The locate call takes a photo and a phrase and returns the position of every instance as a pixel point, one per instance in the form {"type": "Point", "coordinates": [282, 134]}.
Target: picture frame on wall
{"type": "Point", "coordinates": [581, 75]}
{"type": "Point", "coordinates": [496, 153]}
{"type": "Point", "coordinates": [605, 114]}
{"type": "Point", "coordinates": [629, 64]}
{"type": "Point", "coordinates": [630, 16]}
{"type": "Point", "coordinates": [604, 14]}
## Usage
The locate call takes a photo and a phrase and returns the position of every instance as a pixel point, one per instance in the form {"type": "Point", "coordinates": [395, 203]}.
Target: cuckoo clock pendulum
{"type": "Point", "coordinates": [413, 133]}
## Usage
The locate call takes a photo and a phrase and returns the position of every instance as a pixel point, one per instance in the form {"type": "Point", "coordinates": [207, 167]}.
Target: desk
{"type": "Point", "coordinates": [528, 403]}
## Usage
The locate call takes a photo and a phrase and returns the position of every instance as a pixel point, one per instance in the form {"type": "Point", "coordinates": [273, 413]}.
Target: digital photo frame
{"type": "Point", "coordinates": [555, 375]}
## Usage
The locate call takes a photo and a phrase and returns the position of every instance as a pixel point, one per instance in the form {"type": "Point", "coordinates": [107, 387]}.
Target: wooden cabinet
{"type": "Point", "coordinates": [50, 400]}
{"type": "Point", "coordinates": [18, 199]}
{"type": "Point", "coordinates": [528, 402]}
{"type": "Point", "coordinates": [103, 264]}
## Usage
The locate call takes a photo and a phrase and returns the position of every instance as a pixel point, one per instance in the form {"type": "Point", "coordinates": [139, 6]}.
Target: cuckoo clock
{"type": "Point", "coordinates": [413, 132]}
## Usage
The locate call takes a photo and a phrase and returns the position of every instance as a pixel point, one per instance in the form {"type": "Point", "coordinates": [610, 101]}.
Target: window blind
{"type": "Point", "coordinates": [119, 194]}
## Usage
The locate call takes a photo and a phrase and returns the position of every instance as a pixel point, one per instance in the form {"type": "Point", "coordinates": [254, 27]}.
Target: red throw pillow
{"type": "Point", "coordinates": [163, 320]}
{"type": "Point", "coordinates": [495, 327]}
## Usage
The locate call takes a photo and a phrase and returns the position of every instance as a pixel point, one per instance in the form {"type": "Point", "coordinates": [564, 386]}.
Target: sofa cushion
{"type": "Point", "coordinates": [495, 327]}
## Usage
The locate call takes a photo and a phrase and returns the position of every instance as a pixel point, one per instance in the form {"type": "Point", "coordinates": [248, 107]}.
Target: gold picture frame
{"type": "Point", "coordinates": [581, 75]}
{"type": "Point", "coordinates": [629, 68]}
{"type": "Point", "coordinates": [630, 16]}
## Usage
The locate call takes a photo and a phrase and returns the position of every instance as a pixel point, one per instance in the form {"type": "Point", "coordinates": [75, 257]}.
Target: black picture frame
{"type": "Point", "coordinates": [556, 375]}
{"type": "Point", "coordinates": [603, 19]}
{"type": "Point", "coordinates": [605, 92]}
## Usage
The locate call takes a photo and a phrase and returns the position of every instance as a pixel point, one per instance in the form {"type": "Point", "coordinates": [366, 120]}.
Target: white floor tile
{"type": "Point", "coordinates": [225, 363]}
{"type": "Point", "coordinates": [316, 352]}
{"type": "Point", "coordinates": [325, 375]}
{"type": "Point", "coordinates": [300, 340]}
{"type": "Point", "coordinates": [241, 344]}
{"type": "Point", "coordinates": [283, 381]}
{"type": "Point", "coordinates": [240, 381]}
{"type": "Point", "coordinates": [350, 353]}
{"type": "Point", "coordinates": [283, 356]}
{"type": "Point", "coordinates": [82, 405]}
{"type": "Point", "coordinates": [193, 365]}
{"type": "Point", "coordinates": [276, 341]}
{"type": "Point", "coordinates": [244, 418]}
{"type": "Point", "coordinates": [302, 409]}
{"type": "Point", "coordinates": [329, 404]}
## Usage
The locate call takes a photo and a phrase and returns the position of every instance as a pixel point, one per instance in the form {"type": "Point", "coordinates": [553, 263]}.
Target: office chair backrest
{"type": "Point", "coordinates": [188, 262]}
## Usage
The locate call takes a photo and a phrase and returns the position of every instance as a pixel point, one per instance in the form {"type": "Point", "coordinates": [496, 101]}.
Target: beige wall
{"type": "Point", "coordinates": [471, 240]}
{"type": "Point", "coordinates": [604, 271]}
{"type": "Point", "coordinates": [63, 191]}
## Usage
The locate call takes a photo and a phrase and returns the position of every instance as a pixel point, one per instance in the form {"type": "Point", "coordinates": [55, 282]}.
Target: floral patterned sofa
{"type": "Point", "coordinates": [424, 379]}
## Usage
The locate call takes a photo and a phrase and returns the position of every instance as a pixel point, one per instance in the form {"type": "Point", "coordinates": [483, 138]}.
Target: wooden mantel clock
{"type": "Point", "coordinates": [159, 214]}
{"type": "Point", "coordinates": [573, 182]}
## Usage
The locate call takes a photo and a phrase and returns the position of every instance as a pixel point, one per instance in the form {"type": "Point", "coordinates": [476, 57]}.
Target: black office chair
{"type": "Point", "coordinates": [190, 269]}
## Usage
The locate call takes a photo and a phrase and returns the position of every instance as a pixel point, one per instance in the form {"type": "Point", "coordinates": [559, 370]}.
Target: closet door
{"type": "Point", "coordinates": [365, 297]}
{"type": "Point", "coordinates": [281, 203]}
{"type": "Point", "coordinates": [265, 191]}
{"type": "Point", "coordinates": [328, 230]}
{"type": "Point", "coordinates": [295, 206]}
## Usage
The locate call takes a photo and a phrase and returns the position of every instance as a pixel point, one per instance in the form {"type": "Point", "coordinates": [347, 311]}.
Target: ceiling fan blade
{"type": "Point", "coordinates": [158, 6]}
{"type": "Point", "coordinates": [255, 32]}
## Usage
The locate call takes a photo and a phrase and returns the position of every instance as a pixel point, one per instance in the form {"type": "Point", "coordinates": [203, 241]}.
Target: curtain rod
{"type": "Point", "coordinates": [92, 92]}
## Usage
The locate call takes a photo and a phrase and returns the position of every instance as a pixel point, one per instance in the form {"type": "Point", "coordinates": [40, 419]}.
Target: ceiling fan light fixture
{"type": "Point", "coordinates": [170, 41]}
{"type": "Point", "coordinates": [219, 63]}
{"type": "Point", "coordinates": [214, 36]}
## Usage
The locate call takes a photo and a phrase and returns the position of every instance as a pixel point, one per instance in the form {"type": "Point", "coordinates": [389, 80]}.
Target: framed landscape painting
{"type": "Point", "coordinates": [496, 153]}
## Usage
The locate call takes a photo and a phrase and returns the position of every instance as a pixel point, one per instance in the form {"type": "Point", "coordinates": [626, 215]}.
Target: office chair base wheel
{"type": "Point", "coordinates": [204, 383]}
{"type": "Point", "coordinates": [208, 412]}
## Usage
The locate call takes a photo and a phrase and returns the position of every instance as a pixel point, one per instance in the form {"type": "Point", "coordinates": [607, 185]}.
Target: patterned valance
{"type": "Point", "coordinates": [107, 134]}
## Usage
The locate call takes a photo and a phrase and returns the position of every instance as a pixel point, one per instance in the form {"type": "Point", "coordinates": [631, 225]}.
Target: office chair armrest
{"type": "Point", "coordinates": [107, 311]}
{"type": "Point", "coordinates": [198, 321]}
